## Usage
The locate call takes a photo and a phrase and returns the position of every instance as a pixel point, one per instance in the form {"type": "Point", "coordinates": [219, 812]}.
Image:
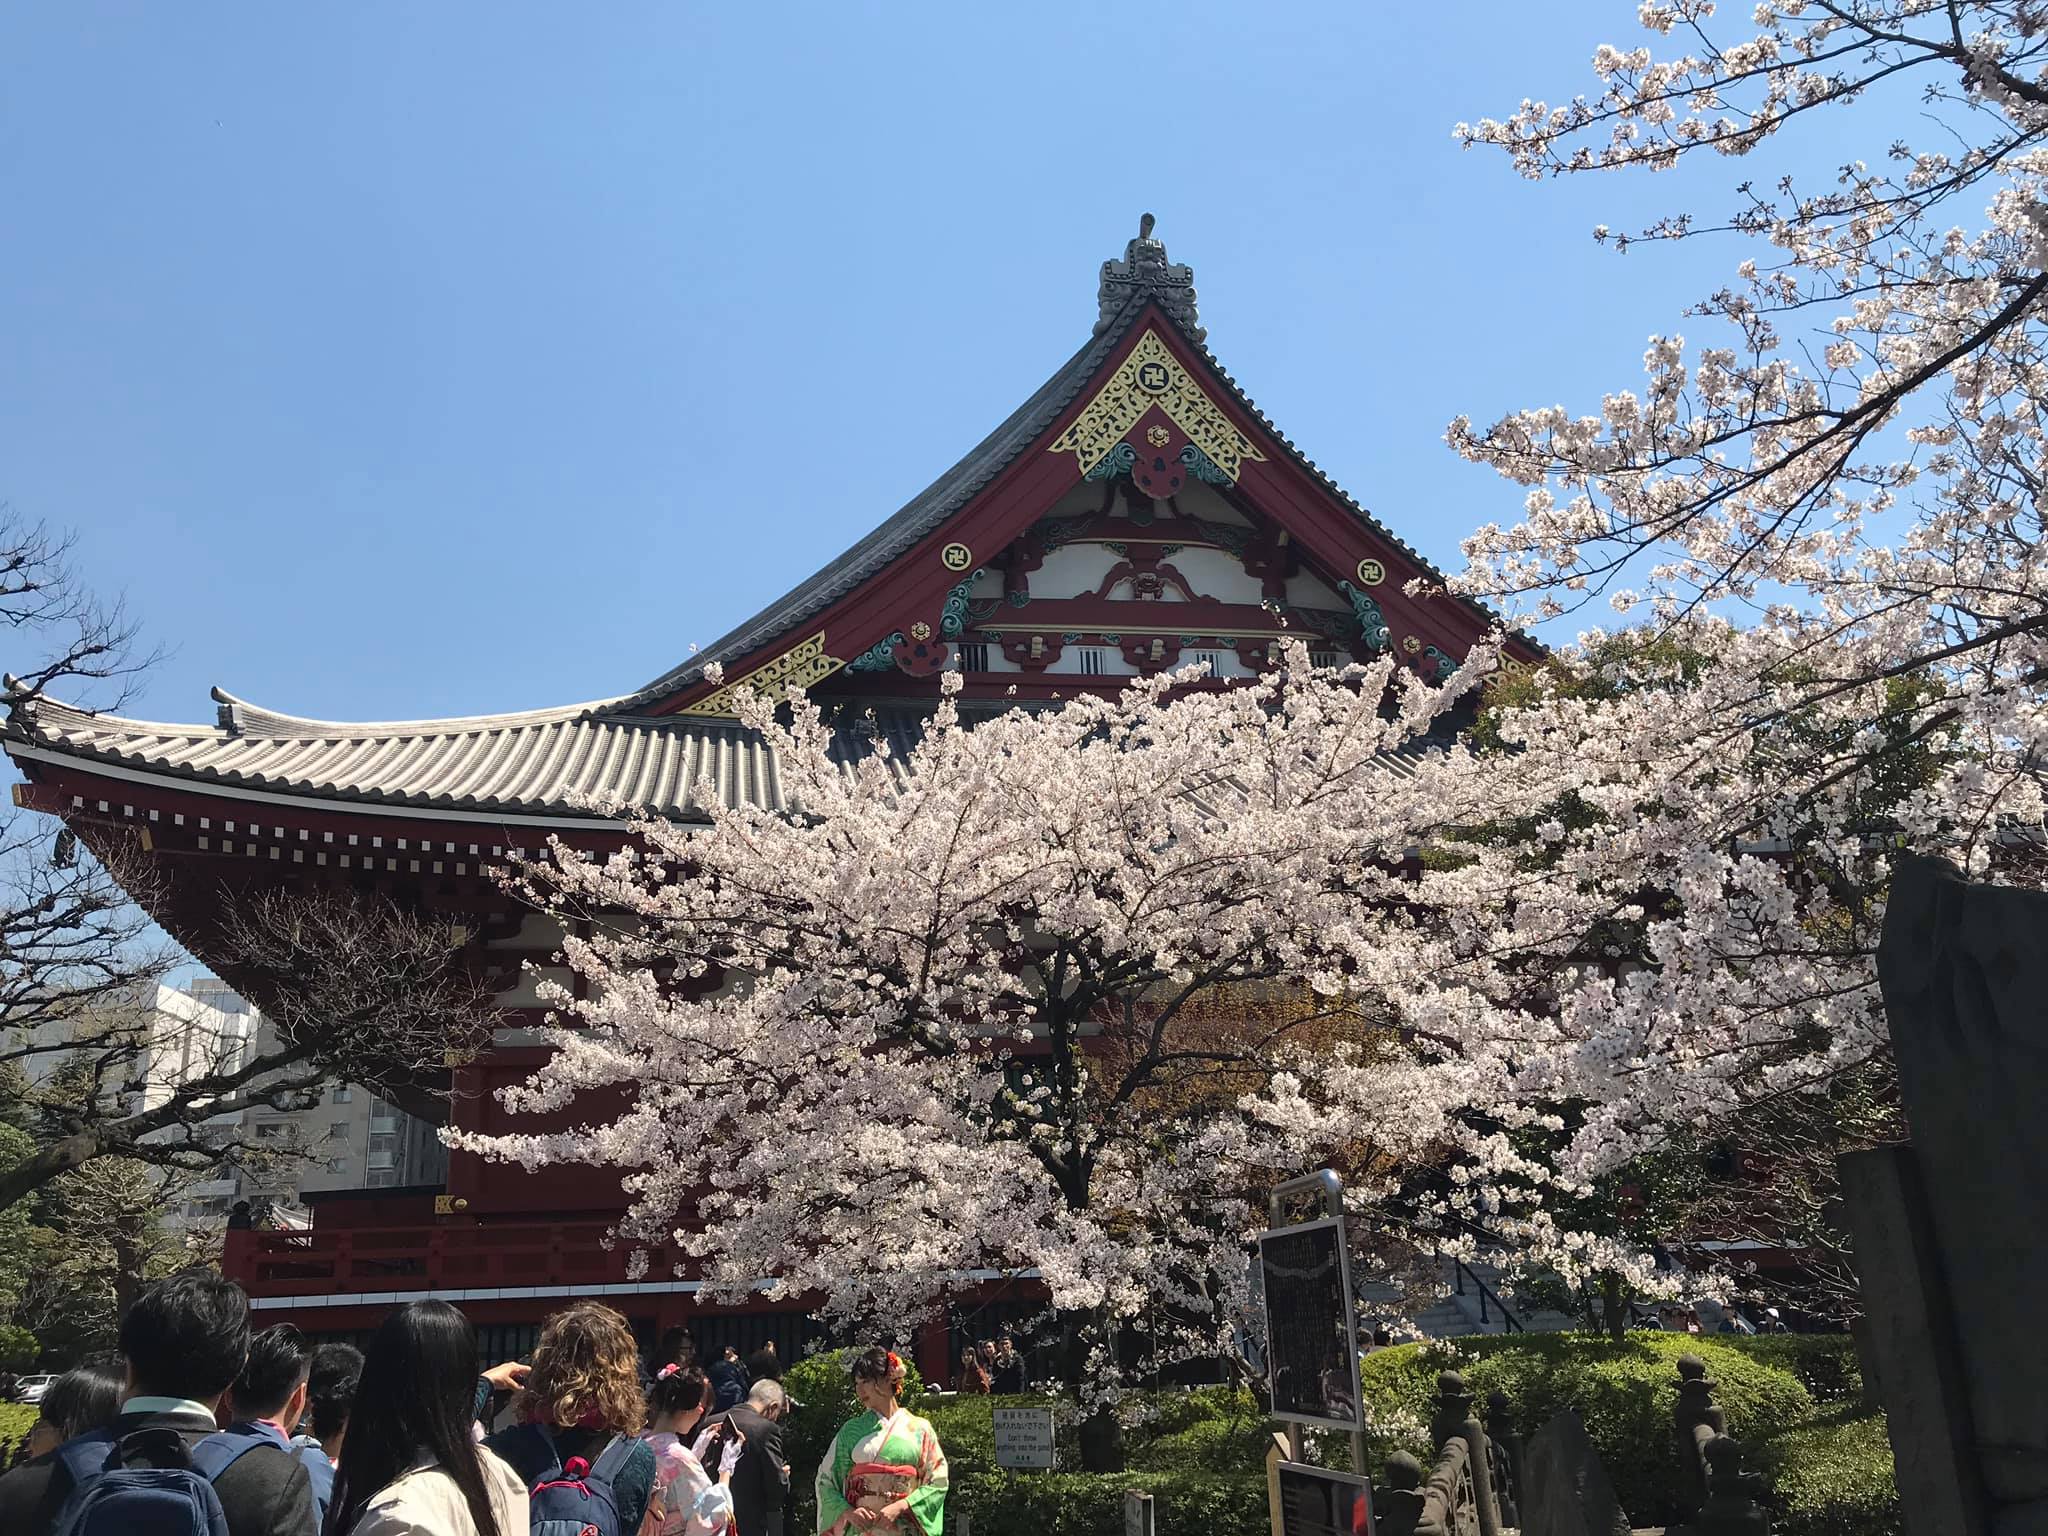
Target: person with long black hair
{"type": "Point", "coordinates": [84, 1398]}
{"type": "Point", "coordinates": [410, 1466]}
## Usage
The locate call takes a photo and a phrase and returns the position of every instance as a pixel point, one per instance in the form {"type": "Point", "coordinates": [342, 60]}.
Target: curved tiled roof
{"type": "Point", "coordinates": [546, 762]}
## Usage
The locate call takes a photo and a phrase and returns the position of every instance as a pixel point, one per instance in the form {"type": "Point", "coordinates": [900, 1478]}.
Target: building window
{"type": "Point", "coordinates": [270, 1130]}
{"type": "Point", "coordinates": [380, 1178]}
{"type": "Point", "coordinates": [1210, 662]}
{"type": "Point", "coordinates": [1089, 660]}
{"type": "Point", "coordinates": [1323, 659]}
{"type": "Point", "coordinates": [343, 1093]}
{"type": "Point", "coordinates": [973, 656]}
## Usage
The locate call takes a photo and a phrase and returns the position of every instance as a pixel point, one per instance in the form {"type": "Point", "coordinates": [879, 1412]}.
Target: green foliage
{"type": "Point", "coordinates": [1833, 1477]}
{"type": "Point", "coordinates": [1201, 1454]}
{"type": "Point", "coordinates": [18, 1347]}
{"type": "Point", "coordinates": [1188, 1501]}
{"type": "Point", "coordinates": [17, 1260]}
{"type": "Point", "coordinates": [1825, 1363]}
{"type": "Point", "coordinates": [16, 1420]}
{"type": "Point", "coordinates": [1624, 1392]}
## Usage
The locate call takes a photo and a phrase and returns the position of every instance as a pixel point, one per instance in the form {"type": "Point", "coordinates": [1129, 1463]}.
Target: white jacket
{"type": "Point", "coordinates": [426, 1502]}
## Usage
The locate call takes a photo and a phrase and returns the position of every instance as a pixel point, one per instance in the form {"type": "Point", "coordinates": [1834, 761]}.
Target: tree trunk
{"type": "Point", "coordinates": [131, 1257]}
{"type": "Point", "coordinates": [1102, 1442]}
{"type": "Point", "coordinates": [1614, 1311]}
{"type": "Point", "coordinates": [1102, 1432]}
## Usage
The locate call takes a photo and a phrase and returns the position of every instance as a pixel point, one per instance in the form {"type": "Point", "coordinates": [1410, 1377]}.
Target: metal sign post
{"type": "Point", "coordinates": [1311, 1317]}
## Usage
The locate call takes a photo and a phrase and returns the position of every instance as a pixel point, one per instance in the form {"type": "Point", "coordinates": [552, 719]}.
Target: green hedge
{"type": "Point", "coordinates": [1625, 1392]}
{"type": "Point", "coordinates": [16, 1420]}
{"type": "Point", "coordinates": [1833, 1477]}
{"type": "Point", "coordinates": [1192, 1501]}
{"type": "Point", "coordinates": [1793, 1400]}
{"type": "Point", "coordinates": [1825, 1363]}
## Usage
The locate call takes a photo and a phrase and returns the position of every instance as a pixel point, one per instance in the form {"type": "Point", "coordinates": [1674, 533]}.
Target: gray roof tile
{"type": "Point", "coordinates": [548, 762]}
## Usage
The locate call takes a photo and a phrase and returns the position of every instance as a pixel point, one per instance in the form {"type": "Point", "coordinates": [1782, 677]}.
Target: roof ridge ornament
{"type": "Point", "coordinates": [1145, 272]}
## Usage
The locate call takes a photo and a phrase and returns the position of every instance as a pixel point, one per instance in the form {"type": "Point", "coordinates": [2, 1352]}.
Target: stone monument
{"type": "Point", "coordinates": [1951, 1232]}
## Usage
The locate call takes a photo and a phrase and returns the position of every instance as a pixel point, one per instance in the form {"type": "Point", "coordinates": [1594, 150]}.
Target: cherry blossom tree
{"type": "Point", "coordinates": [1823, 518]}
{"type": "Point", "coordinates": [1060, 991]}
{"type": "Point", "coordinates": [1041, 995]}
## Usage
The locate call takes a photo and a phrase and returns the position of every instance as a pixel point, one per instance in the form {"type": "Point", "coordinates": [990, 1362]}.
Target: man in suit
{"type": "Point", "coordinates": [269, 1398]}
{"type": "Point", "coordinates": [760, 1483]}
{"type": "Point", "coordinates": [184, 1343]}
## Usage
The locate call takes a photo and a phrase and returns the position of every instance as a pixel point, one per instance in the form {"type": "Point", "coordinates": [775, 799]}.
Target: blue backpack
{"type": "Point", "coordinates": [148, 1483]}
{"type": "Point", "coordinates": [575, 1499]}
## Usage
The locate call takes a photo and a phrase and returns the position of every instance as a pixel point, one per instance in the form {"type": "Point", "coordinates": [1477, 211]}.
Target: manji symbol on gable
{"type": "Point", "coordinates": [1151, 376]}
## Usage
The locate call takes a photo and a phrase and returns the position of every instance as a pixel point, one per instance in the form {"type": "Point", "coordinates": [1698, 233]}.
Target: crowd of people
{"type": "Point", "coordinates": [209, 1426]}
{"type": "Point", "coordinates": [992, 1365]}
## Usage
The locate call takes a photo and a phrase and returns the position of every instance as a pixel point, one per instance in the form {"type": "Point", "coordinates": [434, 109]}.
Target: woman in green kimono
{"type": "Point", "coordinates": [883, 1474]}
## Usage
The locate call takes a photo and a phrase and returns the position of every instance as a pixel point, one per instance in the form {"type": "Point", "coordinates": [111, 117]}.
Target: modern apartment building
{"type": "Point", "coordinates": [349, 1139]}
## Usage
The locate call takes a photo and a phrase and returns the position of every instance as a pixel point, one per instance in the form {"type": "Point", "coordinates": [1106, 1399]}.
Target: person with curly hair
{"type": "Point", "coordinates": [884, 1473]}
{"type": "Point", "coordinates": [581, 1395]}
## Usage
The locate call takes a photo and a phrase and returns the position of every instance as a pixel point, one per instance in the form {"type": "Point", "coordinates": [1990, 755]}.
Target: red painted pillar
{"type": "Point", "coordinates": [931, 1351]}
{"type": "Point", "coordinates": [238, 1255]}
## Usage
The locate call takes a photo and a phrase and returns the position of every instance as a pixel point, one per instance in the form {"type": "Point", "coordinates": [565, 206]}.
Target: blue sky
{"type": "Point", "coordinates": [402, 360]}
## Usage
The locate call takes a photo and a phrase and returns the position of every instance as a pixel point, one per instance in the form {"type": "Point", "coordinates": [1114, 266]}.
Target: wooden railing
{"type": "Point", "coordinates": [1468, 1484]}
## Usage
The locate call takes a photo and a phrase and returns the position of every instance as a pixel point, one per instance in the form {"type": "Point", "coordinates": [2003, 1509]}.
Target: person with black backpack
{"type": "Point", "coordinates": [162, 1468]}
{"type": "Point", "coordinates": [410, 1465]}
{"type": "Point", "coordinates": [577, 1448]}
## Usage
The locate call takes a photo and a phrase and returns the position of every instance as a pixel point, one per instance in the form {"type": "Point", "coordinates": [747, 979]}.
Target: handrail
{"type": "Point", "coordinates": [1460, 1273]}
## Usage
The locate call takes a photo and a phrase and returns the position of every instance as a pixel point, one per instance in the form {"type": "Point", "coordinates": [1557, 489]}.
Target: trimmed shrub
{"type": "Point", "coordinates": [1187, 1502]}
{"type": "Point", "coordinates": [1625, 1393]}
{"type": "Point", "coordinates": [18, 1347]}
{"type": "Point", "coordinates": [1826, 1364]}
{"type": "Point", "coordinates": [16, 1420]}
{"type": "Point", "coordinates": [1833, 1477]}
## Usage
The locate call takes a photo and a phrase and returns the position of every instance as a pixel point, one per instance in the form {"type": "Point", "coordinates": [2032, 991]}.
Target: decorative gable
{"type": "Point", "coordinates": [1182, 433]}
{"type": "Point", "coordinates": [1135, 510]}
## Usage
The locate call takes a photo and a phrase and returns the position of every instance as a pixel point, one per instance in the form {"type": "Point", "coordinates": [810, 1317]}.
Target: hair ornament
{"type": "Point", "coordinates": [667, 1371]}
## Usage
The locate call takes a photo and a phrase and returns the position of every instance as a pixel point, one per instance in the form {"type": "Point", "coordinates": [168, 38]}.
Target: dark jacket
{"type": "Point", "coordinates": [729, 1381]}
{"type": "Point", "coordinates": [265, 1493]}
{"type": "Point", "coordinates": [1009, 1375]}
{"type": "Point", "coordinates": [760, 1483]}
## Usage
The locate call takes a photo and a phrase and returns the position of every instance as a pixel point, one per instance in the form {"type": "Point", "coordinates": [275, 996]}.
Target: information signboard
{"type": "Point", "coordinates": [1023, 1438]}
{"type": "Point", "coordinates": [1138, 1513]}
{"type": "Point", "coordinates": [1311, 1333]}
{"type": "Point", "coordinates": [1314, 1501]}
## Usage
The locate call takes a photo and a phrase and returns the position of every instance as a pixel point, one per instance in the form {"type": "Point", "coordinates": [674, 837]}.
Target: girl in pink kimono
{"type": "Point", "coordinates": [686, 1499]}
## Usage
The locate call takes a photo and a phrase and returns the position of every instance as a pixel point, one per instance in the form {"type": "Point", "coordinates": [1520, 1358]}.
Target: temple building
{"type": "Point", "coordinates": [1137, 513]}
